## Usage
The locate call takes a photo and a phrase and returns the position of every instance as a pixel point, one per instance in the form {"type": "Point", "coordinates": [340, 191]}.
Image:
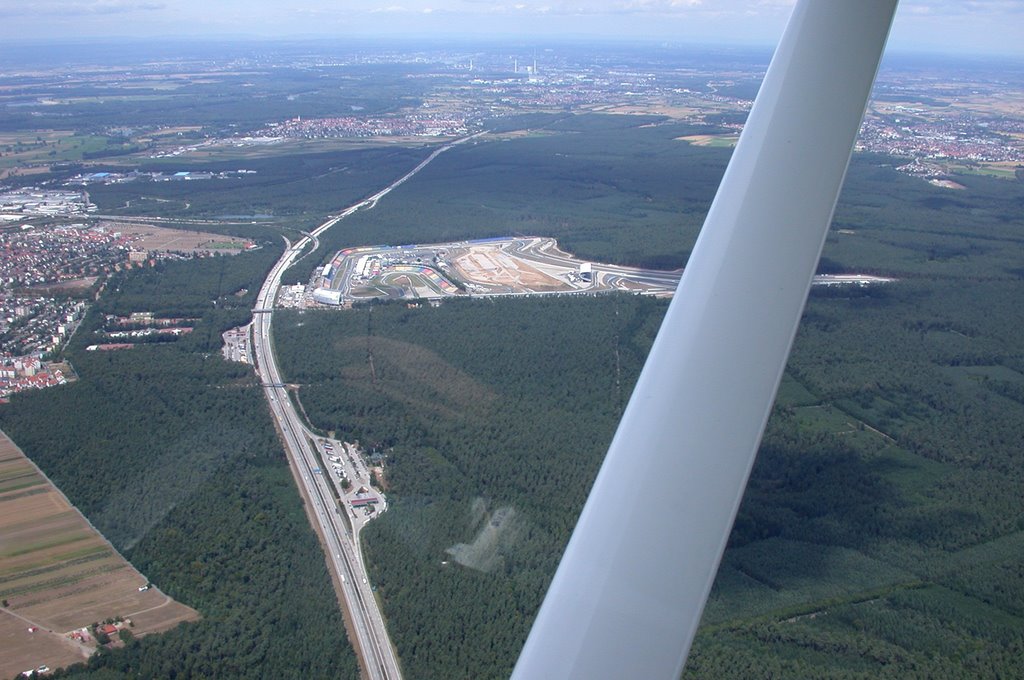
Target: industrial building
{"type": "Point", "coordinates": [326, 296]}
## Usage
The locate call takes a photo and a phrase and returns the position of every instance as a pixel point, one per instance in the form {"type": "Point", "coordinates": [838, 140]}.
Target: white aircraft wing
{"type": "Point", "coordinates": [628, 595]}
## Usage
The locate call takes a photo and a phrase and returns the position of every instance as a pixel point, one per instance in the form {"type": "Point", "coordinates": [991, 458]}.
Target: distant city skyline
{"type": "Point", "coordinates": [955, 26]}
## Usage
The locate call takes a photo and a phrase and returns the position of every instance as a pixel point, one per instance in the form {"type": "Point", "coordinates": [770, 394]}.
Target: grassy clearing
{"type": "Point", "coordinates": [724, 141]}
{"type": "Point", "coordinates": [793, 393]}
{"type": "Point", "coordinates": [966, 376]}
{"type": "Point", "coordinates": [1000, 171]}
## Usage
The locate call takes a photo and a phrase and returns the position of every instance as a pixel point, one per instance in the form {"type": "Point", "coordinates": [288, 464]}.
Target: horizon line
{"type": "Point", "coordinates": [475, 38]}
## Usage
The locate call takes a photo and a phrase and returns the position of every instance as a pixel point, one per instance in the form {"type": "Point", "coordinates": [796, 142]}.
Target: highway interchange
{"type": "Point", "coordinates": [377, 655]}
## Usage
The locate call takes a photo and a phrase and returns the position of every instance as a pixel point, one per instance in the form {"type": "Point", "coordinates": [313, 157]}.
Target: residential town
{"type": "Point", "coordinates": [352, 126]}
{"type": "Point", "coordinates": [922, 136]}
{"type": "Point", "coordinates": [44, 254]}
{"type": "Point", "coordinates": [49, 270]}
{"type": "Point", "coordinates": [31, 330]}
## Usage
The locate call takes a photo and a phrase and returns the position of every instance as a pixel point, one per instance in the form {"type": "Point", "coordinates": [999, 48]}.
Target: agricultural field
{"type": "Point", "coordinates": [43, 147]}
{"type": "Point", "coordinates": [162, 239]}
{"type": "Point", "coordinates": [58, 575]}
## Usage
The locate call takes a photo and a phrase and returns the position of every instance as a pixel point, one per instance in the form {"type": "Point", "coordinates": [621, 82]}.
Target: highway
{"type": "Point", "coordinates": [372, 643]}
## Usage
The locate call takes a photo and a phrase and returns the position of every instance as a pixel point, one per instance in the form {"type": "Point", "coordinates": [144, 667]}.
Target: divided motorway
{"type": "Point", "coordinates": [377, 655]}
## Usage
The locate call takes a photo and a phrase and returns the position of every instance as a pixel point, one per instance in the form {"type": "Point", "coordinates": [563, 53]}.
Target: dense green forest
{"type": "Point", "coordinates": [881, 534]}
{"type": "Point", "coordinates": [169, 451]}
{"type": "Point", "coordinates": [519, 421]}
{"type": "Point", "coordinates": [301, 187]}
{"type": "Point", "coordinates": [611, 188]}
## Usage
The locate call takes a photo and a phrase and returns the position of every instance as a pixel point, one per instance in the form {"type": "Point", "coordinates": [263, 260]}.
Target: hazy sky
{"type": "Point", "coordinates": [934, 25]}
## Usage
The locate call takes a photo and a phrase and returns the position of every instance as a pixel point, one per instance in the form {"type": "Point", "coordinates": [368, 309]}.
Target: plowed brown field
{"type": "Point", "coordinates": [58, 574]}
